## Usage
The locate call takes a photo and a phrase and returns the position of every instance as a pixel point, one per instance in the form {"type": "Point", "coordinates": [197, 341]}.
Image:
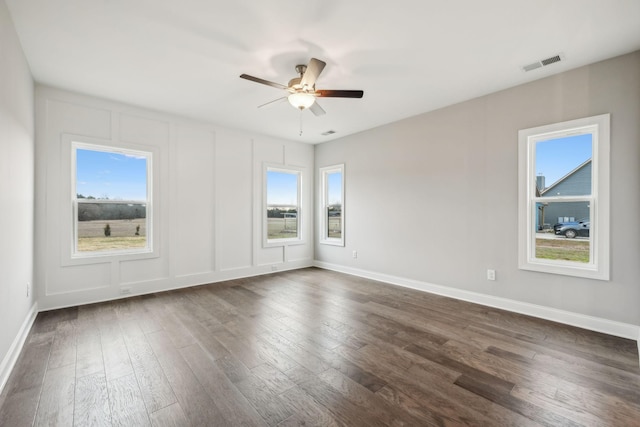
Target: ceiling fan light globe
{"type": "Point", "coordinates": [301, 100]}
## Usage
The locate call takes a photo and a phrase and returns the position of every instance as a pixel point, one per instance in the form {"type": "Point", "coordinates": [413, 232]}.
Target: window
{"type": "Point", "coordinates": [332, 205]}
{"type": "Point", "coordinates": [564, 198]}
{"type": "Point", "coordinates": [283, 216]}
{"type": "Point", "coordinates": [111, 200]}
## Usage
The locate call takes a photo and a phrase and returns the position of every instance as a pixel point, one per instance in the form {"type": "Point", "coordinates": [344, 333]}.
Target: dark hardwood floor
{"type": "Point", "coordinates": [314, 347]}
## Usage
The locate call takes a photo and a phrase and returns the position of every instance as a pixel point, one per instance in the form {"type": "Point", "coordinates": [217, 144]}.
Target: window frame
{"type": "Point", "coordinates": [300, 238]}
{"type": "Point", "coordinates": [598, 267]}
{"type": "Point", "coordinates": [324, 173]}
{"type": "Point", "coordinates": [106, 147]}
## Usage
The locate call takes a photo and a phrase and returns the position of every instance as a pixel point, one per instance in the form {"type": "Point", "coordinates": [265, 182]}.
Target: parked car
{"type": "Point", "coordinates": [573, 229]}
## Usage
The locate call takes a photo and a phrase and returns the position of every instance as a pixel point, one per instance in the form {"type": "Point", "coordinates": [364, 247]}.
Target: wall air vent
{"type": "Point", "coordinates": [551, 60]}
{"type": "Point", "coordinates": [543, 62]}
{"type": "Point", "coordinates": [329, 132]}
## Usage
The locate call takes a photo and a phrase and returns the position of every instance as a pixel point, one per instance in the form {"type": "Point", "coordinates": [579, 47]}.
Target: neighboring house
{"type": "Point", "coordinates": [575, 183]}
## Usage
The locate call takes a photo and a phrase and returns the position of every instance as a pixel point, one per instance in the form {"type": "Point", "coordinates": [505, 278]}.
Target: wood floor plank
{"type": "Point", "coordinates": [91, 405]}
{"type": "Point", "coordinates": [366, 399]}
{"type": "Point", "coordinates": [127, 405]}
{"type": "Point", "coordinates": [57, 397]}
{"type": "Point", "coordinates": [117, 362]}
{"type": "Point", "coordinates": [170, 416]}
{"type": "Point", "coordinates": [30, 368]}
{"type": "Point", "coordinates": [233, 405]}
{"type": "Point", "coordinates": [271, 407]}
{"type": "Point", "coordinates": [89, 358]}
{"type": "Point", "coordinates": [19, 407]}
{"type": "Point", "coordinates": [197, 405]}
{"type": "Point", "coordinates": [155, 389]}
{"type": "Point", "coordinates": [306, 411]}
{"type": "Point", "coordinates": [63, 349]}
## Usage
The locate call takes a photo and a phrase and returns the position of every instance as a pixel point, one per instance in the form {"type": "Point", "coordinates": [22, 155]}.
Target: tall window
{"type": "Point", "coordinates": [564, 200]}
{"type": "Point", "coordinates": [282, 205]}
{"type": "Point", "coordinates": [332, 205]}
{"type": "Point", "coordinates": [111, 198]}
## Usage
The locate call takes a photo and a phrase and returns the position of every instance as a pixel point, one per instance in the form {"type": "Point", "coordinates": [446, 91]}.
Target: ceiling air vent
{"type": "Point", "coordinates": [329, 132]}
{"type": "Point", "coordinates": [543, 62]}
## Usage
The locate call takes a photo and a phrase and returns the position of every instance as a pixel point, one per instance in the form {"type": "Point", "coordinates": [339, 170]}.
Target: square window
{"type": "Point", "coordinates": [111, 200]}
{"type": "Point", "coordinates": [564, 198]}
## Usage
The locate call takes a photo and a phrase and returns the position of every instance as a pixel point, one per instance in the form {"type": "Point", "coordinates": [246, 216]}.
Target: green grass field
{"type": "Point", "coordinates": [563, 249]}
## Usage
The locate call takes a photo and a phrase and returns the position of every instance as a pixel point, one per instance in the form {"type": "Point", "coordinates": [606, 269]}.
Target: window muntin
{"type": "Point", "coordinates": [332, 205]}
{"type": "Point", "coordinates": [282, 210]}
{"type": "Point", "coordinates": [564, 174]}
{"type": "Point", "coordinates": [111, 200]}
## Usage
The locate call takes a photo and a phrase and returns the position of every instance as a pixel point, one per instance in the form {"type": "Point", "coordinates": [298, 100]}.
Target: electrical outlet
{"type": "Point", "coordinates": [28, 288]}
{"type": "Point", "coordinates": [355, 254]}
{"type": "Point", "coordinates": [491, 274]}
{"type": "Point", "coordinates": [125, 291]}
{"type": "Point", "coordinates": [274, 268]}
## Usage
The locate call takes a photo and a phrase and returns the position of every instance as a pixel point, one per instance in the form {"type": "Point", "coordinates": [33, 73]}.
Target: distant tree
{"type": "Point", "coordinates": [107, 230]}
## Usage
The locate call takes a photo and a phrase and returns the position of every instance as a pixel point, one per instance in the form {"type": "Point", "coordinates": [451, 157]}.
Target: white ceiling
{"type": "Point", "coordinates": [409, 56]}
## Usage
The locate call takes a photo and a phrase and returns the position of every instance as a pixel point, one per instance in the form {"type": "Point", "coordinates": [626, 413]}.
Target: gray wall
{"type": "Point", "coordinates": [16, 187]}
{"type": "Point", "coordinates": [433, 198]}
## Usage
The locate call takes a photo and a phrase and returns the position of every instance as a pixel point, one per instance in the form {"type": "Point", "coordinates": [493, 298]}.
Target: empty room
{"type": "Point", "coordinates": [319, 213]}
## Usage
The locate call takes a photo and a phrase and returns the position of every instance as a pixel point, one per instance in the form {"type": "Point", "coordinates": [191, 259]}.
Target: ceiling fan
{"type": "Point", "coordinates": [302, 90]}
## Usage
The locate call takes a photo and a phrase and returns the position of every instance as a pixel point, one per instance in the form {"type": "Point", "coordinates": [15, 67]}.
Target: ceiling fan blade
{"type": "Point", "coordinates": [327, 93]}
{"type": "Point", "coordinates": [317, 110]}
{"type": "Point", "coordinates": [262, 81]}
{"type": "Point", "coordinates": [272, 102]}
{"type": "Point", "coordinates": [314, 68]}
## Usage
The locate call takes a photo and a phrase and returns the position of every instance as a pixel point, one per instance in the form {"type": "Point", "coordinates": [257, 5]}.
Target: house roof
{"type": "Point", "coordinates": [564, 178]}
{"type": "Point", "coordinates": [185, 57]}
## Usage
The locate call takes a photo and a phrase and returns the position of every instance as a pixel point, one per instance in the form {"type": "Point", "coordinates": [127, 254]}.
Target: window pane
{"type": "Point", "coordinates": [110, 175]}
{"type": "Point", "coordinates": [111, 226]}
{"type": "Point", "coordinates": [282, 188]}
{"type": "Point", "coordinates": [567, 240]}
{"type": "Point", "coordinates": [282, 205]}
{"type": "Point", "coordinates": [334, 205]}
{"type": "Point", "coordinates": [563, 166]}
{"type": "Point", "coordinates": [282, 222]}
{"type": "Point", "coordinates": [111, 200]}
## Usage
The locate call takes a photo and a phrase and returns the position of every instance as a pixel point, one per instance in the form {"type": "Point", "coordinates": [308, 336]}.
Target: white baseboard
{"type": "Point", "coordinates": [11, 357]}
{"type": "Point", "coordinates": [592, 323]}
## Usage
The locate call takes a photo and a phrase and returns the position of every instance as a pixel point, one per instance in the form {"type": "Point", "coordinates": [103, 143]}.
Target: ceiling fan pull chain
{"type": "Point", "coordinates": [301, 122]}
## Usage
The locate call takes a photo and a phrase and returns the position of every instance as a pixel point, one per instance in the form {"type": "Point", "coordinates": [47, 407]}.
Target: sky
{"type": "Point", "coordinates": [123, 177]}
{"type": "Point", "coordinates": [557, 157]}
{"type": "Point", "coordinates": [282, 188]}
{"type": "Point", "coordinates": [111, 175]}
{"type": "Point", "coordinates": [335, 188]}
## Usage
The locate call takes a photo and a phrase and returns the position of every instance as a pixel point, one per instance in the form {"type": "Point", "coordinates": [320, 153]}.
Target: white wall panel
{"type": "Point", "coordinates": [77, 119]}
{"type": "Point", "coordinates": [79, 278]}
{"type": "Point", "coordinates": [142, 270]}
{"type": "Point", "coordinates": [207, 200]}
{"type": "Point", "coordinates": [193, 210]}
{"type": "Point", "coordinates": [141, 130]}
{"type": "Point", "coordinates": [234, 212]}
